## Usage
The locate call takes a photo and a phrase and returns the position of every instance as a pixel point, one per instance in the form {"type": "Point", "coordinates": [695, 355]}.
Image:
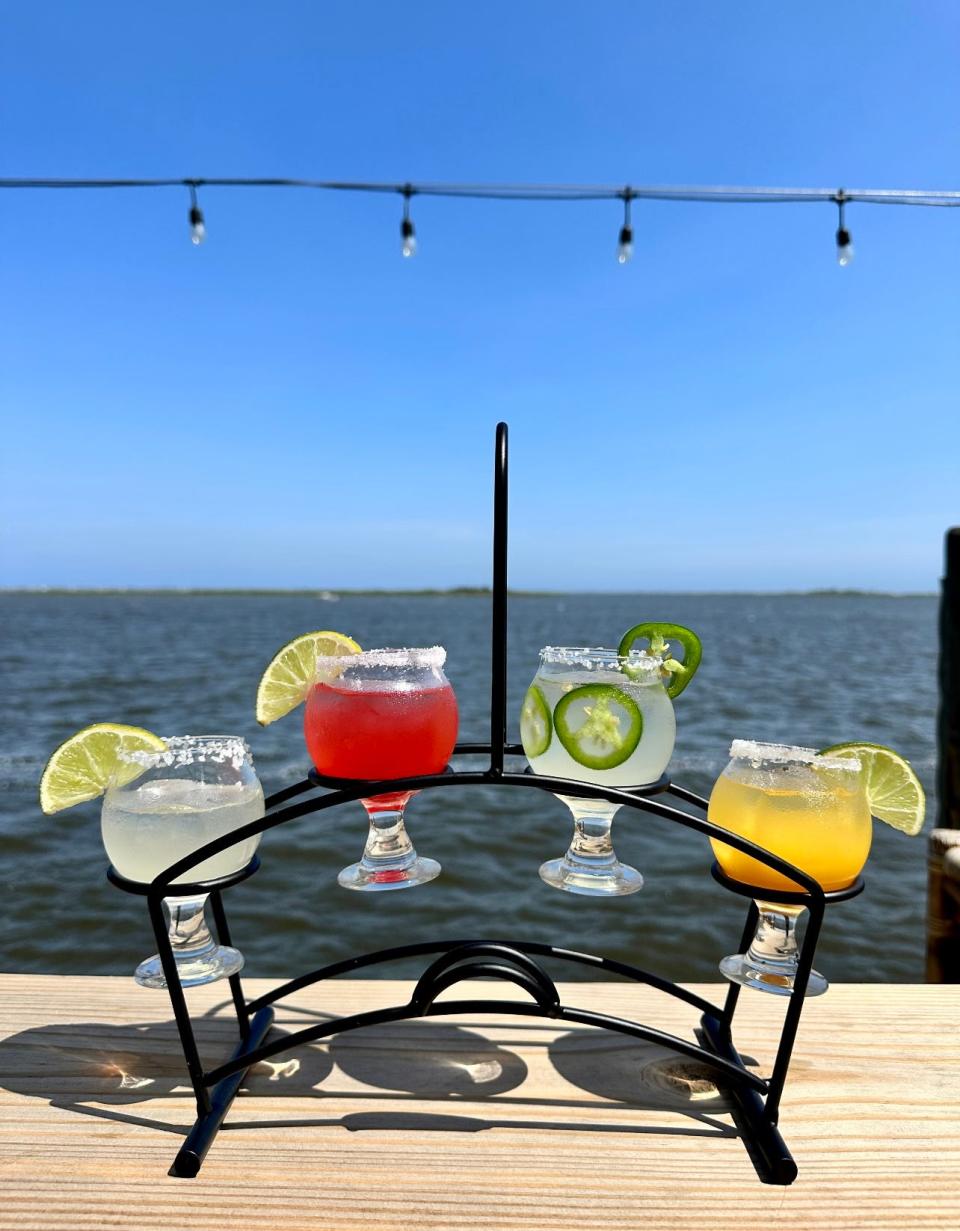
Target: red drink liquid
{"type": "Point", "coordinates": [383, 715]}
{"type": "Point", "coordinates": [380, 733]}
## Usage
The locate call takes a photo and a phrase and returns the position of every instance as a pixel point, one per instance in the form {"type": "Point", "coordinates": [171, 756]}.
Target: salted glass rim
{"type": "Point", "coordinates": [757, 752]}
{"type": "Point", "coordinates": [595, 655]}
{"type": "Point", "coordinates": [433, 656]}
{"type": "Point", "coordinates": [192, 749]}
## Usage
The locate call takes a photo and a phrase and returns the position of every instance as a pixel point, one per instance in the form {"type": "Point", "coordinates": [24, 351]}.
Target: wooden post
{"type": "Point", "coordinates": [943, 907]}
{"type": "Point", "coordinates": [943, 885]}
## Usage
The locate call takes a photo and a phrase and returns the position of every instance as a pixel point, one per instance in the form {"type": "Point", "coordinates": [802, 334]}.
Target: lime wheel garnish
{"type": "Point", "coordinates": [679, 671]}
{"type": "Point", "coordinates": [89, 762]}
{"type": "Point", "coordinates": [598, 724]}
{"type": "Point", "coordinates": [894, 792]}
{"type": "Point", "coordinates": [291, 673]}
{"type": "Point", "coordinates": [536, 726]}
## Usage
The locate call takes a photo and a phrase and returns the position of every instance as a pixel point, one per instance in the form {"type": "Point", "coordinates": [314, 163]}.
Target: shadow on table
{"type": "Point", "coordinates": [75, 1064]}
{"type": "Point", "coordinates": [94, 1068]}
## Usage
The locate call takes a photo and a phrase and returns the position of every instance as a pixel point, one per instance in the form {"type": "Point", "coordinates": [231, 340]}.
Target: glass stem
{"type": "Point", "coordinates": [189, 934]}
{"type": "Point", "coordinates": [592, 846]}
{"type": "Point", "coordinates": [775, 941]}
{"type": "Point", "coordinates": [388, 847]}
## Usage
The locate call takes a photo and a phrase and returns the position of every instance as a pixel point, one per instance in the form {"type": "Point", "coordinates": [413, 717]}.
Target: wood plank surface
{"type": "Point", "coordinates": [473, 1122]}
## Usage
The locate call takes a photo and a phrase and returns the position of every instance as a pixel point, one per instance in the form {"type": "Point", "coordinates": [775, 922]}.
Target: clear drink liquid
{"type": "Point", "coordinates": [146, 830]}
{"type": "Point", "coordinates": [650, 757]}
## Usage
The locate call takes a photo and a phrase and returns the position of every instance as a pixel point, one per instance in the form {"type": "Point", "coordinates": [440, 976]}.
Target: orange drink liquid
{"type": "Point", "coordinates": [817, 819]}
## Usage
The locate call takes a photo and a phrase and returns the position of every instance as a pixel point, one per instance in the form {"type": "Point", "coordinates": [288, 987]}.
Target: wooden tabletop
{"type": "Point", "coordinates": [473, 1122]}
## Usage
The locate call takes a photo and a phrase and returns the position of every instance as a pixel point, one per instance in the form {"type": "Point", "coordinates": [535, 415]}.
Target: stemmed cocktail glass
{"type": "Point", "coordinates": [377, 715]}
{"type": "Point", "coordinates": [199, 788]}
{"type": "Point", "coordinates": [596, 716]}
{"type": "Point", "coordinates": [809, 809]}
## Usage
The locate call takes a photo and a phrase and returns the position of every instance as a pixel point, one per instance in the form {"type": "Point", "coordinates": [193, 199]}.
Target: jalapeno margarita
{"type": "Point", "coordinates": [596, 717]}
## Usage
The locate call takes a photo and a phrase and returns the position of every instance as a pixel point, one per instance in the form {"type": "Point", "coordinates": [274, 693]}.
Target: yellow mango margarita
{"type": "Point", "coordinates": [811, 811]}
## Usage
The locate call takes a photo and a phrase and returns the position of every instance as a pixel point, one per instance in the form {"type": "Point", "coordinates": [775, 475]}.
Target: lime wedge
{"type": "Point", "coordinates": [599, 725]}
{"type": "Point", "coordinates": [679, 673]}
{"type": "Point", "coordinates": [95, 758]}
{"type": "Point", "coordinates": [292, 672]}
{"type": "Point", "coordinates": [893, 790]}
{"type": "Point", "coordinates": [536, 727]}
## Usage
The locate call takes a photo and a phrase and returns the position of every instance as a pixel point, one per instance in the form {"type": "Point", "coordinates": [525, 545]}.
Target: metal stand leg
{"type": "Point", "coordinates": [200, 1138]}
{"type": "Point", "coordinates": [236, 987]}
{"type": "Point", "coordinates": [767, 1148]}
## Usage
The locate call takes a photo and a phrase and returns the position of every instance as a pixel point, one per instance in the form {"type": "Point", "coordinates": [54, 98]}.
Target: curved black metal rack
{"type": "Point", "coordinates": [755, 1100]}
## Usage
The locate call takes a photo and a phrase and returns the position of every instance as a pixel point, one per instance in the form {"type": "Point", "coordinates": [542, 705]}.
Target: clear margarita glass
{"type": "Point", "coordinates": [809, 809]}
{"type": "Point", "coordinates": [202, 787]}
{"type": "Point", "coordinates": [378, 715]}
{"type": "Point", "coordinates": [596, 717]}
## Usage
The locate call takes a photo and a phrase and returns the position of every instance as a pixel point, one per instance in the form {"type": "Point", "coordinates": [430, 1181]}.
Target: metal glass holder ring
{"type": "Point", "coordinates": [755, 1100]}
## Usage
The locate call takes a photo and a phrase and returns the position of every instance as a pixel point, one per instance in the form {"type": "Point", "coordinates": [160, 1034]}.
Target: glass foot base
{"type": "Point", "coordinates": [767, 978]}
{"type": "Point", "coordinates": [375, 879]}
{"type": "Point", "coordinates": [611, 880]}
{"type": "Point", "coordinates": [206, 967]}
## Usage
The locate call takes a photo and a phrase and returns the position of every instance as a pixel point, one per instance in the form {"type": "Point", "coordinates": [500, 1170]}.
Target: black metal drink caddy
{"type": "Point", "coordinates": [754, 1100]}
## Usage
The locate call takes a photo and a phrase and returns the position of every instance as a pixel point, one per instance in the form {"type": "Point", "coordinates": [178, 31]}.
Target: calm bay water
{"type": "Point", "coordinates": [798, 669]}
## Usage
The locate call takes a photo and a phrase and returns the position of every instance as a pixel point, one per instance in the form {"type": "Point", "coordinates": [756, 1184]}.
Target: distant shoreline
{"type": "Point", "coordinates": [325, 595]}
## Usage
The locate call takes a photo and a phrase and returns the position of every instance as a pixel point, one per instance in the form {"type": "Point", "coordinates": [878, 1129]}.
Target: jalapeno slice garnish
{"type": "Point", "coordinates": [598, 724]}
{"type": "Point", "coordinates": [678, 674]}
{"type": "Point", "coordinates": [536, 726]}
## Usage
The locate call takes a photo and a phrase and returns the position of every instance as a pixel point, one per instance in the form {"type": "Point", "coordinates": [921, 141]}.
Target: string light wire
{"type": "Point", "coordinates": [528, 192]}
{"type": "Point", "coordinates": [525, 192]}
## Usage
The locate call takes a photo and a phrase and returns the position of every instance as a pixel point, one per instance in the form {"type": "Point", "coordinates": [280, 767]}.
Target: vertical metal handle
{"type": "Point", "coordinates": [498, 664]}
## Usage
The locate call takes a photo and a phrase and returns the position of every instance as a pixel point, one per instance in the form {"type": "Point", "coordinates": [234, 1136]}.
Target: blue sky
{"type": "Point", "coordinates": [295, 405]}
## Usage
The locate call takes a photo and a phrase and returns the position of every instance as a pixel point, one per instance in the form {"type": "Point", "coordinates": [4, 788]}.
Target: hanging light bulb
{"type": "Point", "coordinates": [408, 235]}
{"type": "Point", "coordinates": [625, 245]}
{"type": "Point", "coordinates": [844, 242]}
{"type": "Point", "coordinates": [198, 228]}
{"type": "Point", "coordinates": [625, 241]}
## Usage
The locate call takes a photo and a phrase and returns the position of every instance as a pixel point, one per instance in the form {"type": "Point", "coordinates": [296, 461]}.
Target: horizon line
{"type": "Point", "coordinates": [332, 594]}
